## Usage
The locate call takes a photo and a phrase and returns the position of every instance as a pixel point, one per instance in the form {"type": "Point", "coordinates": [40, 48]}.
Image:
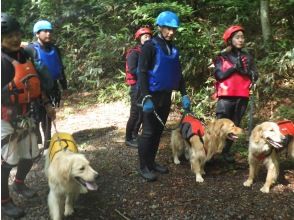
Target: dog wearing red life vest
{"type": "Point", "coordinates": [266, 141]}
{"type": "Point", "coordinates": [199, 143]}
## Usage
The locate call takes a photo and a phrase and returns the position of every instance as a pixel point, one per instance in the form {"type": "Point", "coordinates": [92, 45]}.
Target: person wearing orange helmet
{"type": "Point", "coordinates": [235, 72]}
{"type": "Point", "coordinates": [135, 119]}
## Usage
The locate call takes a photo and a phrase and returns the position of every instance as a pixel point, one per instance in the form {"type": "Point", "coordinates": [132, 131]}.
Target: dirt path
{"type": "Point", "coordinates": [99, 132]}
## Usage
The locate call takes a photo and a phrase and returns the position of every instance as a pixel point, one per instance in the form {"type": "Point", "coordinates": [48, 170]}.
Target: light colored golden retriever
{"type": "Point", "coordinates": [265, 142]}
{"type": "Point", "coordinates": [69, 174]}
{"type": "Point", "coordinates": [200, 150]}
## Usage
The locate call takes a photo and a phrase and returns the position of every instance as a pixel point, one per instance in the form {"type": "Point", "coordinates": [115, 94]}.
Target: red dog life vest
{"type": "Point", "coordinates": [191, 126]}
{"type": "Point", "coordinates": [286, 127]}
{"type": "Point", "coordinates": [131, 79]}
{"type": "Point", "coordinates": [235, 85]}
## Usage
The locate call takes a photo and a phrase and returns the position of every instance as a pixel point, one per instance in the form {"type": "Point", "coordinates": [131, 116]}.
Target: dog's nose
{"type": "Point", "coordinates": [96, 176]}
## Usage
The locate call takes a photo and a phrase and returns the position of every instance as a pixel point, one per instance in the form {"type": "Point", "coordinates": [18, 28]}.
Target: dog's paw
{"type": "Point", "coordinates": [199, 179]}
{"type": "Point", "coordinates": [203, 172]}
{"type": "Point", "coordinates": [176, 160]}
{"type": "Point", "coordinates": [68, 211]}
{"type": "Point", "coordinates": [265, 189]}
{"type": "Point", "coordinates": [248, 183]}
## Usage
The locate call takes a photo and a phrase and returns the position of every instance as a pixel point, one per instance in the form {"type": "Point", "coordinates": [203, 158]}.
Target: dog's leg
{"type": "Point", "coordinates": [69, 204]}
{"type": "Point", "coordinates": [56, 206]}
{"type": "Point", "coordinates": [272, 173]}
{"type": "Point", "coordinates": [196, 167]}
{"type": "Point", "coordinates": [176, 145]}
{"type": "Point", "coordinates": [253, 170]}
{"type": "Point", "coordinates": [202, 163]}
{"type": "Point", "coordinates": [291, 148]}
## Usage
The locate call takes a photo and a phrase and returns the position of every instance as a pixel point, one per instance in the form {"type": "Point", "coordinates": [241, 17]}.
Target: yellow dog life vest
{"type": "Point", "coordinates": [62, 141]}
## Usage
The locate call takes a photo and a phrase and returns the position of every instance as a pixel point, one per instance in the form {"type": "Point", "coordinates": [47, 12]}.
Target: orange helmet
{"type": "Point", "coordinates": [229, 32]}
{"type": "Point", "coordinates": [142, 31]}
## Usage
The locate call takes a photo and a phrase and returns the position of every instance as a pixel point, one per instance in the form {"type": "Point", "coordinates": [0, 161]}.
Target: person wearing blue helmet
{"type": "Point", "coordinates": [159, 73]}
{"type": "Point", "coordinates": [47, 54]}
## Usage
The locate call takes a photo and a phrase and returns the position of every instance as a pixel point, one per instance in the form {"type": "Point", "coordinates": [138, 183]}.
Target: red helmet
{"type": "Point", "coordinates": [229, 32]}
{"type": "Point", "coordinates": [142, 31]}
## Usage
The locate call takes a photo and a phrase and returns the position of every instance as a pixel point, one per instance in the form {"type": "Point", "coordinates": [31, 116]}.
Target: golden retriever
{"type": "Point", "coordinates": [69, 174]}
{"type": "Point", "coordinates": [265, 142]}
{"type": "Point", "coordinates": [201, 149]}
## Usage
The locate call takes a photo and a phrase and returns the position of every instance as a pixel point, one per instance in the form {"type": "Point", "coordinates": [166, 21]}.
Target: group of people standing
{"type": "Point", "coordinates": [154, 71]}
{"type": "Point", "coordinates": [28, 95]}
{"type": "Point", "coordinates": [31, 78]}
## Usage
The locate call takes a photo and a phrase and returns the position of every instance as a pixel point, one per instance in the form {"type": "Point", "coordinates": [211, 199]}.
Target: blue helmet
{"type": "Point", "coordinates": [42, 25]}
{"type": "Point", "coordinates": [168, 18]}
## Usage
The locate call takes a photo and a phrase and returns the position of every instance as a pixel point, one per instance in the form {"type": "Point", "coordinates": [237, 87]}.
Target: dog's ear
{"type": "Point", "coordinates": [257, 133]}
{"type": "Point", "coordinates": [65, 169]}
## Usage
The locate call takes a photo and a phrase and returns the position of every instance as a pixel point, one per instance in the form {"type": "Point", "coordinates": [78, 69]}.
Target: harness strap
{"type": "Point", "coordinates": [62, 148]}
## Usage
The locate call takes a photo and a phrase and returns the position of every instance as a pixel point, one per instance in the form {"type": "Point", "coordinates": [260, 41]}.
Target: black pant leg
{"type": "Point", "coordinates": [226, 109]}
{"type": "Point", "coordinates": [5, 172]}
{"type": "Point", "coordinates": [133, 120]}
{"type": "Point", "coordinates": [163, 112]}
{"type": "Point", "coordinates": [23, 168]}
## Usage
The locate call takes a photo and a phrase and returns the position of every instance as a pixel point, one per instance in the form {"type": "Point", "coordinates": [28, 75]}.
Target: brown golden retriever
{"type": "Point", "coordinates": [201, 149]}
{"type": "Point", "coordinates": [265, 142]}
{"type": "Point", "coordinates": [69, 174]}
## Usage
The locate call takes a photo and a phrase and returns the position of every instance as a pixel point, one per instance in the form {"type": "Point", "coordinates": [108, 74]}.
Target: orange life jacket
{"type": "Point", "coordinates": [235, 85]}
{"type": "Point", "coordinates": [25, 85]}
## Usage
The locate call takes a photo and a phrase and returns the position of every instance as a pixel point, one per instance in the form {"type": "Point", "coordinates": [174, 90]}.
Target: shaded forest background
{"type": "Point", "coordinates": [94, 36]}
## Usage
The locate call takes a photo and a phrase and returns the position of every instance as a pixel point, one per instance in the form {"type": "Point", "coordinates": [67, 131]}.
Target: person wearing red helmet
{"type": "Point", "coordinates": [235, 72]}
{"type": "Point", "coordinates": [135, 119]}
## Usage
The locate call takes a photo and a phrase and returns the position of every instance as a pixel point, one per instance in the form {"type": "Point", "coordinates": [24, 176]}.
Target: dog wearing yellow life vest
{"type": "Point", "coordinates": [69, 174]}
{"type": "Point", "coordinates": [201, 143]}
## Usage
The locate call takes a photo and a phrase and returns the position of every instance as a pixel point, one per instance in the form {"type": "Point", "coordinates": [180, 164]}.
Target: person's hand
{"type": "Point", "coordinates": [148, 105]}
{"type": "Point", "coordinates": [50, 111]}
{"type": "Point", "coordinates": [186, 103]}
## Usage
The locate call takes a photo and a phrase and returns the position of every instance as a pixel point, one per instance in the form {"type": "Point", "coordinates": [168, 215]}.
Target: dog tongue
{"type": "Point", "coordinates": [91, 186]}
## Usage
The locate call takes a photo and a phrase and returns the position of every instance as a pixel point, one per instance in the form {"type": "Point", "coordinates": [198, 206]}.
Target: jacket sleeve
{"type": "Point", "coordinates": [62, 80]}
{"type": "Point", "coordinates": [218, 73]}
{"type": "Point", "coordinates": [146, 62]}
{"type": "Point", "coordinates": [132, 61]}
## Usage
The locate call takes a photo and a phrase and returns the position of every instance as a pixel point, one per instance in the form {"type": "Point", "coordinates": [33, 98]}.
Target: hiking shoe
{"type": "Point", "coordinates": [148, 174]}
{"type": "Point", "coordinates": [228, 157]}
{"type": "Point", "coordinates": [132, 143]}
{"type": "Point", "coordinates": [160, 169]}
{"type": "Point", "coordinates": [10, 209]}
{"type": "Point", "coordinates": [23, 190]}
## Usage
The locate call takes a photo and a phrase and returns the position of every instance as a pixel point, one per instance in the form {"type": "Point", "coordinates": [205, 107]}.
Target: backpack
{"type": "Point", "coordinates": [131, 79]}
{"type": "Point", "coordinates": [25, 85]}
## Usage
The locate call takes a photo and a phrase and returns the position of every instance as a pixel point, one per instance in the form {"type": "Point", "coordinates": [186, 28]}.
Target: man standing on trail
{"type": "Point", "coordinates": [235, 73]}
{"type": "Point", "coordinates": [135, 120]}
{"type": "Point", "coordinates": [47, 55]}
{"type": "Point", "coordinates": [159, 72]}
{"type": "Point", "coordinates": [20, 97]}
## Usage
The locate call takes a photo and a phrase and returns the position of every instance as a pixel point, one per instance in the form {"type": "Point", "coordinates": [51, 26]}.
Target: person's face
{"type": "Point", "coordinates": [11, 41]}
{"type": "Point", "coordinates": [45, 36]}
{"type": "Point", "coordinates": [168, 33]}
{"type": "Point", "coordinates": [144, 38]}
{"type": "Point", "coordinates": [238, 39]}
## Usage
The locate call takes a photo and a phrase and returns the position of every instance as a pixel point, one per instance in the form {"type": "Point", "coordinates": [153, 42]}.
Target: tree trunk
{"type": "Point", "coordinates": [265, 23]}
